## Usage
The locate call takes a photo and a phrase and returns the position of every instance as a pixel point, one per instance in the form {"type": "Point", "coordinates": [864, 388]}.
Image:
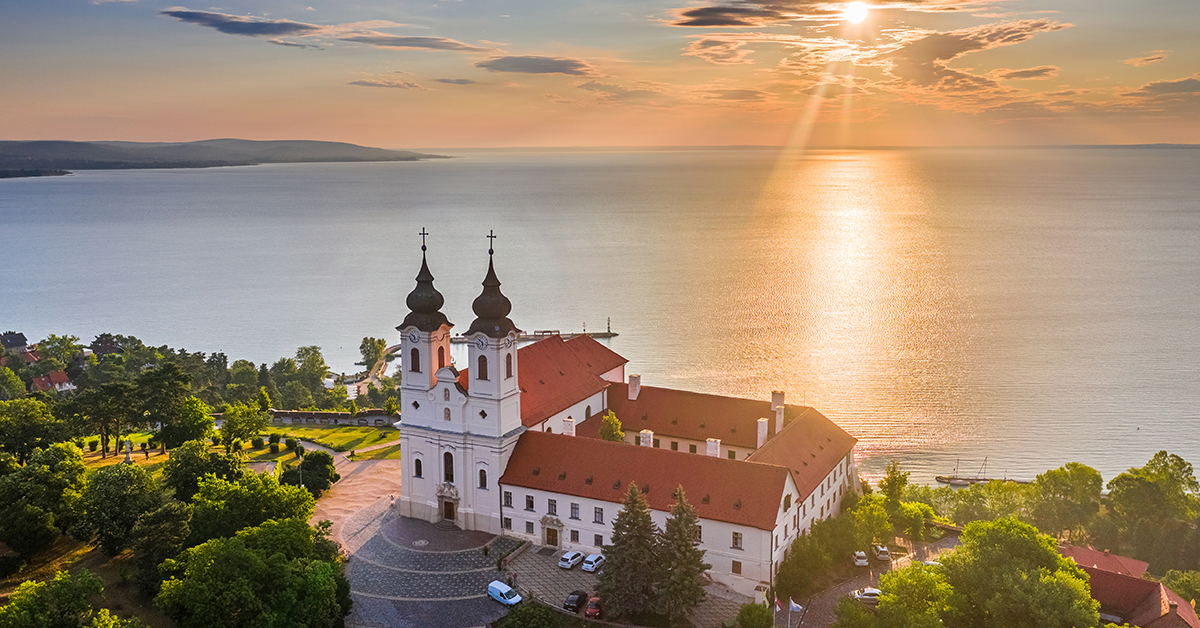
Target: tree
{"type": "Point", "coordinates": [1184, 583]}
{"type": "Point", "coordinates": [910, 519]}
{"type": "Point", "coordinates": [163, 392]}
{"type": "Point", "coordinates": [853, 614]}
{"type": "Point", "coordinates": [681, 562]}
{"type": "Point", "coordinates": [627, 583]}
{"type": "Point", "coordinates": [62, 348]}
{"type": "Point", "coordinates": [11, 386]}
{"type": "Point", "coordinates": [391, 406]}
{"type": "Point", "coordinates": [610, 428]}
{"type": "Point", "coordinates": [353, 409]}
{"type": "Point", "coordinates": [372, 351]}
{"type": "Point", "coordinates": [317, 472]}
{"type": "Point", "coordinates": [311, 369]}
{"type": "Point", "coordinates": [294, 396]}
{"type": "Point", "coordinates": [530, 615]}
{"type": "Point", "coordinates": [25, 425]}
{"type": "Point", "coordinates": [892, 486]}
{"type": "Point", "coordinates": [916, 596]}
{"type": "Point", "coordinates": [221, 507]}
{"type": "Point", "coordinates": [159, 535]}
{"type": "Point", "coordinates": [243, 373]}
{"type": "Point", "coordinates": [242, 422]}
{"type": "Point", "coordinates": [1154, 508]}
{"type": "Point", "coordinates": [871, 522]}
{"type": "Point", "coordinates": [60, 603]}
{"type": "Point", "coordinates": [109, 410]}
{"type": "Point", "coordinates": [755, 616]}
{"type": "Point", "coordinates": [264, 399]}
{"type": "Point", "coordinates": [191, 461]}
{"type": "Point", "coordinates": [115, 497]}
{"type": "Point", "coordinates": [1064, 500]}
{"type": "Point", "coordinates": [51, 483]}
{"type": "Point", "coordinates": [805, 562]}
{"type": "Point", "coordinates": [27, 529]}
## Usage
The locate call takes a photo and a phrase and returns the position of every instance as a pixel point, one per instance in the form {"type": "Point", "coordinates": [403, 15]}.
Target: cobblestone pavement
{"type": "Point", "coordinates": [396, 582]}
{"type": "Point", "coordinates": [821, 607]}
{"type": "Point", "coordinates": [540, 574]}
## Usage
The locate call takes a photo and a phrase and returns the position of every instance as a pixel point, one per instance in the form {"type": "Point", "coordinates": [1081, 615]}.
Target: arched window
{"type": "Point", "coordinates": [508, 366]}
{"type": "Point", "coordinates": [446, 413]}
{"type": "Point", "coordinates": [482, 368]}
{"type": "Point", "coordinates": [446, 395]}
{"type": "Point", "coordinates": [587, 413]}
{"type": "Point", "coordinates": [414, 360]}
{"type": "Point", "coordinates": [448, 462]}
{"type": "Point", "coordinates": [441, 357]}
{"type": "Point", "coordinates": [483, 478]}
{"type": "Point", "coordinates": [417, 467]}
{"type": "Point", "coordinates": [549, 430]}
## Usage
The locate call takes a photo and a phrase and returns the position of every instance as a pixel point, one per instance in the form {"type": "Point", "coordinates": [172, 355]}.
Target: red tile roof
{"type": "Point", "coordinates": [1104, 560]}
{"type": "Point", "coordinates": [695, 416]}
{"type": "Point", "coordinates": [733, 491]}
{"type": "Point", "coordinates": [1140, 602]}
{"type": "Point", "coordinates": [50, 380]}
{"type": "Point", "coordinates": [552, 379]}
{"type": "Point", "coordinates": [810, 445]}
{"type": "Point", "coordinates": [598, 358]}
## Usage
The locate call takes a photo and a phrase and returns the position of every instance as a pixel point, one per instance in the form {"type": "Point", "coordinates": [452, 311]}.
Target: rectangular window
{"type": "Point", "coordinates": [787, 502]}
{"type": "Point", "coordinates": [574, 510]}
{"type": "Point", "coordinates": [528, 527]}
{"type": "Point", "coordinates": [737, 567]}
{"type": "Point", "coordinates": [737, 540]}
{"type": "Point", "coordinates": [529, 502]}
{"type": "Point", "coordinates": [656, 443]}
{"type": "Point", "coordinates": [598, 516]}
{"type": "Point", "coordinates": [785, 529]}
{"type": "Point", "coordinates": [732, 455]}
{"type": "Point", "coordinates": [691, 449]}
{"type": "Point", "coordinates": [508, 499]}
{"type": "Point", "coordinates": [552, 507]}
{"type": "Point", "coordinates": [507, 523]}
{"type": "Point", "coordinates": [598, 540]}
{"type": "Point", "coordinates": [776, 541]}
{"type": "Point", "coordinates": [674, 445]}
{"type": "Point", "coordinates": [574, 536]}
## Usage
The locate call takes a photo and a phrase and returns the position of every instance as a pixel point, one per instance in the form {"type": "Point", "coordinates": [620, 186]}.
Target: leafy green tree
{"type": "Point", "coordinates": [242, 422]}
{"type": "Point", "coordinates": [191, 461]}
{"type": "Point", "coordinates": [915, 597]}
{"type": "Point", "coordinates": [62, 348]}
{"type": "Point", "coordinates": [27, 529]}
{"type": "Point", "coordinates": [627, 583]}
{"type": "Point", "coordinates": [159, 535]}
{"type": "Point", "coordinates": [311, 368]}
{"type": "Point", "coordinates": [1184, 583]}
{"type": "Point", "coordinates": [294, 396]}
{"type": "Point", "coordinates": [681, 562]}
{"type": "Point", "coordinates": [353, 409]}
{"type": "Point", "coordinates": [109, 410]}
{"type": "Point", "coordinates": [220, 508]}
{"type": "Point", "coordinates": [610, 428]}
{"type": "Point", "coordinates": [163, 392]}
{"type": "Point", "coordinates": [25, 425]}
{"type": "Point", "coordinates": [60, 603]}
{"type": "Point", "coordinates": [892, 486]}
{"type": "Point", "coordinates": [755, 616]}
{"type": "Point", "coordinates": [115, 497]}
{"type": "Point", "coordinates": [910, 517]}
{"type": "Point", "coordinates": [243, 373]}
{"type": "Point", "coordinates": [11, 386]}
{"type": "Point", "coordinates": [530, 615]}
{"type": "Point", "coordinates": [852, 614]}
{"type": "Point", "coordinates": [1065, 500]}
{"type": "Point", "coordinates": [391, 406]}
{"type": "Point", "coordinates": [52, 481]}
{"type": "Point", "coordinates": [805, 562]}
{"type": "Point", "coordinates": [264, 399]}
{"type": "Point", "coordinates": [871, 522]}
{"type": "Point", "coordinates": [317, 472]}
{"type": "Point", "coordinates": [372, 351]}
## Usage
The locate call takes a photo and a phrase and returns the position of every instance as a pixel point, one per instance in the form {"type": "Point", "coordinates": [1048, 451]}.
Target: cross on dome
{"type": "Point", "coordinates": [423, 234]}
{"type": "Point", "coordinates": [491, 240]}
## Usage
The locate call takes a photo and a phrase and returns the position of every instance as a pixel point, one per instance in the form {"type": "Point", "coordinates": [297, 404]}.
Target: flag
{"type": "Point", "coordinates": [778, 605]}
{"type": "Point", "coordinates": [794, 606]}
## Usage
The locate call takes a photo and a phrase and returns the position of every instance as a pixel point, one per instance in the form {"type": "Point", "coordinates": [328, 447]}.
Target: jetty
{"type": "Point", "coordinates": [540, 334]}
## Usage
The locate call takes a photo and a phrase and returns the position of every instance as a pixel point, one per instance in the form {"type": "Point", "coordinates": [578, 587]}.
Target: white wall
{"type": "Point", "coordinates": [664, 442]}
{"type": "Point", "coordinates": [578, 412]}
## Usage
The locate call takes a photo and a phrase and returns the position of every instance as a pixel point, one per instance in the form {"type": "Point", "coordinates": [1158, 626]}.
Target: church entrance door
{"type": "Point", "coordinates": [551, 537]}
{"type": "Point", "coordinates": [448, 511]}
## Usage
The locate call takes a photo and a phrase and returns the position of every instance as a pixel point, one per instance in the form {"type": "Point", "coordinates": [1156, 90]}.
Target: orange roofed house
{"type": "Point", "coordinates": [1125, 596]}
{"type": "Point", "coordinates": [511, 445]}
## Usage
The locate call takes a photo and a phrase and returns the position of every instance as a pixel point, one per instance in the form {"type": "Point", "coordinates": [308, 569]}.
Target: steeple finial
{"type": "Point", "coordinates": [424, 302]}
{"type": "Point", "coordinates": [491, 240]}
{"type": "Point", "coordinates": [491, 306]}
{"type": "Point", "coordinates": [423, 234]}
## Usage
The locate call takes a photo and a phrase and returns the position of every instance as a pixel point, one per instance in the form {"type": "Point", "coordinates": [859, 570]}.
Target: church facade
{"type": "Point", "coordinates": [510, 445]}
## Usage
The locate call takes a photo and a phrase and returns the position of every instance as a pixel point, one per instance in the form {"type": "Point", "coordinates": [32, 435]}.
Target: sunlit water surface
{"type": "Point", "coordinates": [1030, 307]}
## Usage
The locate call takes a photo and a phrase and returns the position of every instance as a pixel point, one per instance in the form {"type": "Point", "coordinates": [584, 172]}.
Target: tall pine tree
{"type": "Point", "coordinates": [681, 563]}
{"type": "Point", "coordinates": [631, 563]}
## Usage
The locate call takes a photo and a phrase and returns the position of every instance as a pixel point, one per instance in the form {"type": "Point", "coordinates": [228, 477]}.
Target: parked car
{"type": "Point", "coordinates": [868, 596]}
{"type": "Point", "coordinates": [932, 563]}
{"type": "Point", "coordinates": [593, 562]}
{"type": "Point", "coordinates": [881, 553]}
{"type": "Point", "coordinates": [593, 608]}
{"type": "Point", "coordinates": [860, 559]}
{"type": "Point", "coordinates": [503, 593]}
{"type": "Point", "coordinates": [570, 559]}
{"type": "Point", "coordinates": [575, 601]}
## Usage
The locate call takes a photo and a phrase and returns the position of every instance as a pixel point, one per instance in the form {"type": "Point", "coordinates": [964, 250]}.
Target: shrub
{"type": "Point", "coordinates": [290, 442]}
{"type": "Point", "coordinates": [274, 438]}
{"type": "Point", "coordinates": [145, 446]}
{"type": "Point", "coordinates": [256, 442]}
{"type": "Point", "coordinates": [274, 448]}
{"type": "Point", "coordinates": [235, 445]}
{"type": "Point", "coordinates": [93, 444]}
{"type": "Point", "coordinates": [216, 440]}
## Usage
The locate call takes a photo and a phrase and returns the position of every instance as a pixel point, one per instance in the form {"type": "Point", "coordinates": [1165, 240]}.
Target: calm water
{"type": "Point", "coordinates": [1028, 306]}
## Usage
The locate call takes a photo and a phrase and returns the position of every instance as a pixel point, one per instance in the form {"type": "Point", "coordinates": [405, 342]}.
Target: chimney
{"type": "Point", "coordinates": [1174, 608]}
{"type": "Point", "coordinates": [646, 438]}
{"type": "Point", "coordinates": [568, 426]}
{"type": "Point", "coordinates": [776, 399]}
{"type": "Point", "coordinates": [714, 447]}
{"type": "Point", "coordinates": [635, 386]}
{"type": "Point", "coordinates": [762, 431]}
{"type": "Point", "coordinates": [778, 419]}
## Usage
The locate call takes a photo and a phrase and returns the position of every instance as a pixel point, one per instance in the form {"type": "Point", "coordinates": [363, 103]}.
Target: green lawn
{"type": "Point", "coordinates": [338, 437]}
{"type": "Point", "coordinates": [383, 453]}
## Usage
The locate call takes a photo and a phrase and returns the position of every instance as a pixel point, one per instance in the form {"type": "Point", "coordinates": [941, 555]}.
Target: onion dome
{"type": "Point", "coordinates": [491, 307]}
{"type": "Point", "coordinates": [424, 302]}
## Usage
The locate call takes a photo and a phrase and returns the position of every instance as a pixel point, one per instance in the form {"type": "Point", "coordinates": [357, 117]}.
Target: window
{"type": "Point", "coordinates": [528, 527]}
{"type": "Point", "coordinates": [737, 540]}
{"type": "Point", "coordinates": [552, 507]}
{"type": "Point", "coordinates": [448, 464]}
{"type": "Point", "coordinates": [674, 445]}
{"type": "Point", "coordinates": [446, 395]}
{"type": "Point", "coordinates": [529, 502]}
{"type": "Point", "coordinates": [736, 567]}
{"type": "Point", "coordinates": [508, 499]}
{"type": "Point", "coordinates": [776, 541]}
{"type": "Point", "coordinates": [785, 529]}
{"type": "Point", "coordinates": [482, 374]}
{"type": "Point", "coordinates": [598, 540]}
{"type": "Point", "coordinates": [587, 413]}
{"type": "Point", "coordinates": [574, 536]}
{"type": "Point", "coordinates": [574, 510]}
{"type": "Point", "coordinates": [732, 455]}
{"type": "Point", "coordinates": [822, 490]}
{"type": "Point", "coordinates": [417, 467]}
{"type": "Point", "coordinates": [506, 523]}
{"type": "Point", "coordinates": [446, 414]}
{"type": "Point", "coordinates": [508, 366]}
{"type": "Point", "coordinates": [598, 516]}
{"type": "Point", "coordinates": [549, 430]}
{"type": "Point", "coordinates": [441, 357]}
{"type": "Point", "coordinates": [414, 360]}
{"type": "Point", "coordinates": [699, 534]}
{"type": "Point", "coordinates": [691, 449]}
{"type": "Point", "coordinates": [656, 443]}
{"type": "Point", "coordinates": [787, 502]}
{"type": "Point", "coordinates": [483, 478]}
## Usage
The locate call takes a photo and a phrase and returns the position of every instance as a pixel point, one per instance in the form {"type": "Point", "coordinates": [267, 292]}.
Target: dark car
{"type": "Point", "coordinates": [593, 608]}
{"type": "Point", "coordinates": [575, 601]}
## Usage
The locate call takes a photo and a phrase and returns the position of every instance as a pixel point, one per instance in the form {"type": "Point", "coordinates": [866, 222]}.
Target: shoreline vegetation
{"type": "Point", "coordinates": [57, 158]}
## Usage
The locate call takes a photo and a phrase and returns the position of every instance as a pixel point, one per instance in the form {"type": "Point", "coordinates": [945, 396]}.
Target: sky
{"type": "Point", "coordinates": [512, 73]}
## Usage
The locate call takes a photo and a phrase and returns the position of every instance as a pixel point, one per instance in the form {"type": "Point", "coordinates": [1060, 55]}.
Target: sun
{"type": "Point", "coordinates": [855, 12]}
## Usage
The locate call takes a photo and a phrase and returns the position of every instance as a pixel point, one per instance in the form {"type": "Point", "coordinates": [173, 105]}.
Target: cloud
{"type": "Point", "coordinates": [398, 42]}
{"type": "Point", "coordinates": [1188, 85]}
{"type": "Point", "coordinates": [537, 65]}
{"type": "Point", "coordinates": [729, 16]}
{"type": "Point", "coordinates": [720, 51]}
{"type": "Point", "coordinates": [292, 44]}
{"type": "Point", "coordinates": [1042, 72]}
{"type": "Point", "coordinates": [833, 90]}
{"type": "Point", "coordinates": [613, 93]}
{"type": "Point", "coordinates": [386, 83]}
{"type": "Point", "coordinates": [455, 81]}
{"type": "Point", "coordinates": [740, 95]}
{"type": "Point", "coordinates": [1150, 59]}
{"type": "Point", "coordinates": [759, 13]}
{"type": "Point", "coordinates": [242, 25]}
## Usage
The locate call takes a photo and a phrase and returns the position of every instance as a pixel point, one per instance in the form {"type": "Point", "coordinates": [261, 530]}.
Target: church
{"type": "Point", "coordinates": [511, 444]}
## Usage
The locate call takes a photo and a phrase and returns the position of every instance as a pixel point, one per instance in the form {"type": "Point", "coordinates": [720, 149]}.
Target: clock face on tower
{"type": "Point", "coordinates": [508, 342]}
{"type": "Point", "coordinates": [414, 336]}
{"type": "Point", "coordinates": [481, 343]}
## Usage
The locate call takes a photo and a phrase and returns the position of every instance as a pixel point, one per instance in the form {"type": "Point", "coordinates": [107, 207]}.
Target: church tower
{"type": "Point", "coordinates": [424, 340]}
{"type": "Point", "coordinates": [495, 393]}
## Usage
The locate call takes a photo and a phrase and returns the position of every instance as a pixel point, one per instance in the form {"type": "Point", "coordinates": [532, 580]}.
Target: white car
{"type": "Point", "coordinates": [881, 553]}
{"type": "Point", "coordinates": [868, 596]}
{"type": "Point", "coordinates": [570, 559]}
{"type": "Point", "coordinates": [593, 562]}
{"type": "Point", "coordinates": [503, 593]}
{"type": "Point", "coordinates": [860, 559]}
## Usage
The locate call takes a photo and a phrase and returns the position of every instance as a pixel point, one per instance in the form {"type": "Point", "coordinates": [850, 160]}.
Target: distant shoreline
{"type": "Point", "coordinates": [22, 173]}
